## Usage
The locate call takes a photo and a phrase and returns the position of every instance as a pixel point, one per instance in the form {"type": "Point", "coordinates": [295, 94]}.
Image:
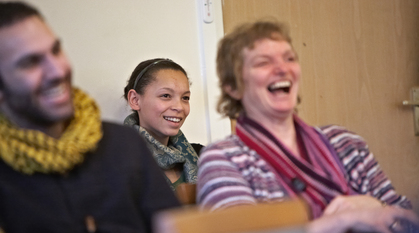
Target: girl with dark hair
{"type": "Point", "coordinates": [158, 93]}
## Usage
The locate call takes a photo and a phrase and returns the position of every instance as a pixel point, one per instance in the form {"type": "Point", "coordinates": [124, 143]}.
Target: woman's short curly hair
{"type": "Point", "coordinates": [230, 59]}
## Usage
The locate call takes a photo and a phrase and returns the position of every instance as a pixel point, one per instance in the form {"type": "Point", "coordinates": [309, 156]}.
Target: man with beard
{"type": "Point", "coordinates": [61, 168]}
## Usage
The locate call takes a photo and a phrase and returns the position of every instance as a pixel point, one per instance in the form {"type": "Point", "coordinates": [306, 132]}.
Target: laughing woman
{"type": "Point", "coordinates": [158, 93]}
{"type": "Point", "coordinates": [275, 155]}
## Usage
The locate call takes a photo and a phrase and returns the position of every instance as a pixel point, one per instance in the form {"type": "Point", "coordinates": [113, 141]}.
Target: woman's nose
{"type": "Point", "coordinates": [280, 67]}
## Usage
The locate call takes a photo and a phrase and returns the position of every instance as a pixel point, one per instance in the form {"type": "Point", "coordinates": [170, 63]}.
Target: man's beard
{"type": "Point", "coordinates": [25, 106]}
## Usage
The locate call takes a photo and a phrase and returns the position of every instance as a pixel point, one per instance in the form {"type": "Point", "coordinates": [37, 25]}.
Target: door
{"type": "Point", "coordinates": [359, 61]}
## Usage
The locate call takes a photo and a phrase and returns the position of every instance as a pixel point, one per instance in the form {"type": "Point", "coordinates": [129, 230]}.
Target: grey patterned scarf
{"type": "Point", "coordinates": [178, 151]}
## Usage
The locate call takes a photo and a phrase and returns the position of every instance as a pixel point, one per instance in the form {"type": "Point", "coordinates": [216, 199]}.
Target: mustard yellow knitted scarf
{"type": "Point", "coordinates": [30, 151]}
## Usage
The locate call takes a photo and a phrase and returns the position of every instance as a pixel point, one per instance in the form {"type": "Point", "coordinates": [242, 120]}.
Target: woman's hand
{"type": "Point", "coordinates": [342, 203]}
{"type": "Point", "coordinates": [362, 214]}
{"type": "Point", "coordinates": [386, 219]}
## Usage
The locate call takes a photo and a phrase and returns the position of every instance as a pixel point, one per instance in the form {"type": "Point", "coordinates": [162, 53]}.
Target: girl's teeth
{"type": "Point", "coordinates": [172, 119]}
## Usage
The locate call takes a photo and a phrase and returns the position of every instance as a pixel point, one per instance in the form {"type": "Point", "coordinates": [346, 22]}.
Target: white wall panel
{"type": "Point", "coordinates": [106, 39]}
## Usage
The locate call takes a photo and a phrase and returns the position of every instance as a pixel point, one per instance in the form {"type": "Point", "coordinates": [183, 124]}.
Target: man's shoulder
{"type": "Point", "coordinates": [113, 132]}
{"type": "Point", "coordinates": [118, 139]}
{"type": "Point", "coordinates": [111, 128]}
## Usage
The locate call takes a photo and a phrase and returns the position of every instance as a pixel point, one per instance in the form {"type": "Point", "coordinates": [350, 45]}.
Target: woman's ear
{"type": "Point", "coordinates": [134, 100]}
{"type": "Point", "coordinates": [234, 93]}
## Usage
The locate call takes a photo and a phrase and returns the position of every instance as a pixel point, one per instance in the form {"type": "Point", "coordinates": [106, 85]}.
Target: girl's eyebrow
{"type": "Point", "coordinates": [167, 89]}
{"type": "Point", "coordinates": [172, 90]}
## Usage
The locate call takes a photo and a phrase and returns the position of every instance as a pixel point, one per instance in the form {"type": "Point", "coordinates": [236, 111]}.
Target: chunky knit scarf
{"type": "Point", "coordinates": [30, 151]}
{"type": "Point", "coordinates": [178, 151]}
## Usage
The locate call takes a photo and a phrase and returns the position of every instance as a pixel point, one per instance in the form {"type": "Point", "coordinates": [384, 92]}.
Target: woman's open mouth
{"type": "Point", "coordinates": [283, 86]}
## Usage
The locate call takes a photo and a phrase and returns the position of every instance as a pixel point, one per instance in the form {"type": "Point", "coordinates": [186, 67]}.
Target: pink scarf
{"type": "Point", "coordinates": [317, 181]}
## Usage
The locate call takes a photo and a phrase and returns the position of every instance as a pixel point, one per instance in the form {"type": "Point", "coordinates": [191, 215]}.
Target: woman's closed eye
{"type": "Point", "coordinates": [291, 58]}
{"type": "Point", "coordinates": [30, 61]}
{"type": "Point", "coordinates": [261, 63]}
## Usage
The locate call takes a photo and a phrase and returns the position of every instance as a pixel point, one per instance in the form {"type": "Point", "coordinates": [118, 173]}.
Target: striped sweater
{"type": "Point", "coordinates": [232, 174]}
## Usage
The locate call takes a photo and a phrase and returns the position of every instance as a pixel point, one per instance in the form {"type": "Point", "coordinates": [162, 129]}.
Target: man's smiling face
{"type": "Point", "coordinates": [35, 75]}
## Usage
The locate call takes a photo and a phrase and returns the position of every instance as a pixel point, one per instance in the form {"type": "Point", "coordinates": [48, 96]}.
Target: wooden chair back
{"type": "Point", "coordinates": [186, 193]}
{"type": "Point", "coordinates": [233, 125]}
{"type": "Point", "coordinates": [290, 216]}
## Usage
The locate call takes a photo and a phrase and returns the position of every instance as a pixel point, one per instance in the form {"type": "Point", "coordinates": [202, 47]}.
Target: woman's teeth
{"type": "Point", "coordinates": [172, 119]}
{"type": "Point", "coordinates": [280, 86]}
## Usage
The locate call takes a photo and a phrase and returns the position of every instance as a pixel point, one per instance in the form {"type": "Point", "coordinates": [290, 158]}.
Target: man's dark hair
{"type": "Point", "coordinates": [12, 12]}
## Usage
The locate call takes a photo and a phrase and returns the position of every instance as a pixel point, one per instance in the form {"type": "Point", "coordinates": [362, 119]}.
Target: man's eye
{"type": "Point", "coordinates": [186, 98]}
{"type": "Point", "coordinates": [165, 96]}
{"type": "Point", "coordinates": [30, 62]}
{"type": "Point", "coordinates": [57, 48]}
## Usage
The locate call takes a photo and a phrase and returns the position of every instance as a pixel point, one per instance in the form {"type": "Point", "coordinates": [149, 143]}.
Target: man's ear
{"type": "Point", "coordinates": [1, 89]}
{"type": "Point", "coordinates": [234, 93]}
{"type": "Point", "coordinates": [134, 100]}
{"type": "Point", "coordinates": [1, 95]}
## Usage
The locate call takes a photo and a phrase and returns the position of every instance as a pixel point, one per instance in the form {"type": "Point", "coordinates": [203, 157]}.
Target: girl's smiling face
{"type": "Point", "coordinates": [164, 105]}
